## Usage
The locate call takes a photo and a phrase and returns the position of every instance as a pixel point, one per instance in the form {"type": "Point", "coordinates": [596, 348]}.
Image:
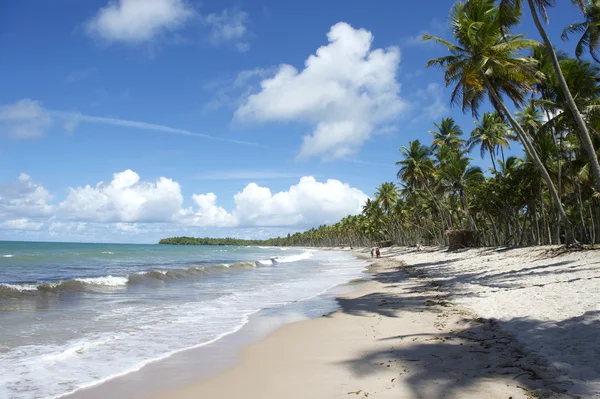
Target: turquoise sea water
{"type": "Point", "coordinates": [74, 315]}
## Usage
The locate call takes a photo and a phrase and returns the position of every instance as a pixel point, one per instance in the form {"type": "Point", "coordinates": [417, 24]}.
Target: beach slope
{"type": "Point", "coordinates": [428, 325]}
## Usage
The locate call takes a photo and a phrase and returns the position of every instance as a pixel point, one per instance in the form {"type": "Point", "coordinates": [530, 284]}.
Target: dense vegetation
{"type": "Point", "coordinates": [549, 194]}
{"type": "Point", "coordinates": [210, 241]}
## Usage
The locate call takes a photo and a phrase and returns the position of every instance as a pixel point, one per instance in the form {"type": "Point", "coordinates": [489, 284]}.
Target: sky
{"type": "Point", "coordinates": [135, 120]}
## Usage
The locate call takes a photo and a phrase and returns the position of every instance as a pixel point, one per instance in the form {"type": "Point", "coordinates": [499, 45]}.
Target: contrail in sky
{"type": "Point", "coordinates": [77, 117]}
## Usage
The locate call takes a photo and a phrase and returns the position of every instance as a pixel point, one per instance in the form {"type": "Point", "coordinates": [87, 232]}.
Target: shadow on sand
{"type": "Point", "coordinates": [455, 361]}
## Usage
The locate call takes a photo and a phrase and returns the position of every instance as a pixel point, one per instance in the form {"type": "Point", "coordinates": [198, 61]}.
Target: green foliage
{"type": "Point", "coordinates": [211, 241]}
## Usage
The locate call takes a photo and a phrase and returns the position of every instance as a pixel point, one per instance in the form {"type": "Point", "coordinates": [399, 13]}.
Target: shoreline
{"type": "Point", "coordinates": [205, 360]}
{"type": "Point", "coordinates": [428, 324]}
{"type": "Point", "coordinates": [348, 352]}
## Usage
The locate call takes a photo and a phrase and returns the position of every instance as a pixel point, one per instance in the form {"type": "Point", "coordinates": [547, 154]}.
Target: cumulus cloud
{"type": "Point", "coordinates": [124, 199]}
{"type": "Point", "coordinates": [228, 27]}
{"type": "Point", "coordinates": [346, 90]}
{"type": "Point", "coordinates": [307, 203]}
{"type": "Point", "coordinates": [131, 206]}
{"type": "Point", "coordinates": [207, 213]}
{"type": "Point", "coordinates": [24, 119]}
{"type": "Point", "coordinates": [24, 199]}
{"type": "Point", "coordinates": [137, 21]}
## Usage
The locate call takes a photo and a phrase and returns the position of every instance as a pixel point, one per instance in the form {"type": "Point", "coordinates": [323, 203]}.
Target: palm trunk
{"type": "Point", "coordinates": [584, 135]}
{"type": "Point", "coordinates": [528, 147]}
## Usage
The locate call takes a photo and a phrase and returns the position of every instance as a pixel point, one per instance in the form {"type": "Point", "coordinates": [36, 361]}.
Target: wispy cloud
{"type": "Point", "coordinates": [248, 175]}
{"type": "Point", "coordinates": [70, 116]}
{"type": "Point", "coordinates": [433, 104]}
{"type": "Point", "coordinates": [361, 162]}
{"type": "Point", "coordinates": [229, 27]}
{"type": "Point", "coordinates": [24, 119]}
{"type": "Point", "coordinates": [232, 91]}
{"type": "Point", "coordinates": [27, 118]}
{"type": "Point", "coordinates": [80, 74]}
{"type": "Point", "coordinates": [435, 28]}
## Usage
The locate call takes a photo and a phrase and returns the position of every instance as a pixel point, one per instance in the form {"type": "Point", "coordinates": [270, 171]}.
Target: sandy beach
{"type": "Point", "coordinates": [478, 323]}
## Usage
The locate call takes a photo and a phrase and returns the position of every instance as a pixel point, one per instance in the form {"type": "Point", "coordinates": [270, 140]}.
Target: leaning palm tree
{"type": "Point", "coordinates": [447, 134]}
{"type": "Point", "coordinates": [386, 196]}
{"type": "Point", "coordinates": [486, 61]}
{"type": "Point", "coordinates": [491, 135]}
{"type": "Point", "coordinates": [508, 10]}
{"type": "Point", "coordinates": [589, 30]}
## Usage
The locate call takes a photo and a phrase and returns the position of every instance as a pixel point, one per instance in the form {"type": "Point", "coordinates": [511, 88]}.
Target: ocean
{"type": "Point", "coordinates": [73, 315]}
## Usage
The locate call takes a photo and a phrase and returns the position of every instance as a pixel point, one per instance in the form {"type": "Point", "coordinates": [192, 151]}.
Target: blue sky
{"type": "Point", "coordinates": [132, 120]}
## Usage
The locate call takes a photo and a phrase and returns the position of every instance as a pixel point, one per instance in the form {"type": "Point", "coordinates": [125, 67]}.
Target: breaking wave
{"type": "Point", "coordinates": [113, 282]}
{"type": "Point", "coordinates": [284, 259]}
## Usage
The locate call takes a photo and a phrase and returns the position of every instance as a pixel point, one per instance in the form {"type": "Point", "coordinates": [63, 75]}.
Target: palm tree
{"type": "Point", "coordinates": [486, 61]}
{"type": "Point", "coordinates": [417, 166]}
{"type": "Point", "coordinates": [583, 78]}
{"type": "Point", "coordinates": [386, 196]}
{"type": "Point", "coordinates": [448, 134]}
{"type": "Point", "coordinates": [589, 29]}
{"type": "Point", "coordinates": [456, 175]}
{"type": "Point", "coordinates": [511, 7]}
{"type": "Point", "coordinates": [369, 208]}
{"type": "Point", "coordinates": [491, 135]}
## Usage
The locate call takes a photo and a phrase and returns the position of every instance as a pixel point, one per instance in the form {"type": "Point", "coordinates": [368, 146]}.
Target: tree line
{"type": "Point", "coordinates": [210, 241]}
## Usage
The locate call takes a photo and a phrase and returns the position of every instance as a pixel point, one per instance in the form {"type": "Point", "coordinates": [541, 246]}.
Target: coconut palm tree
{"type": "Point", "coordinates": [417, 166]}
{"type": "Point", "coordinates": [509, 8]}
{"type": "Point", "coordinates": [447, 134]}
{"type": "Point", "coordinates": [456, 175]}
{"type": "Point", "coordinates": [589, 30]}
{"type": "Point", "coordinates": [386, 196]}
{"type": "Point", "coordinates": [486, 61]}
{"type": "Point", "coordinates": [491, 135]}
{"type": "Point", "coordinates": [583, 78]}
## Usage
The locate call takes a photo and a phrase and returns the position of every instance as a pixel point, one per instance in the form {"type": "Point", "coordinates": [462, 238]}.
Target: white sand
{"type": "Point", "coordinates": [550, 305]}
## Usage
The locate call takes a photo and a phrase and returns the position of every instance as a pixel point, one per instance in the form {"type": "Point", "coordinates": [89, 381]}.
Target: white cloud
{"type": "Point", "coordinates": [24, 199]}
{"type": "Point", "coordinates": [129, 206]}
{"type": "Point", "coordinates": [24, 119]}
{"type": "Point", "coordinates": [124, 199]}
{"type": "Point", "coordinates": [127, 227]}
{"type": "Point", "coordinates": [137, 21]}
{"type": "Point", "coordinates": [228, 27]}
{"type": "Point", "coordinates": [307, 203]}
{"type": "Point", "coordinates": [208, 213]}
{"type": "Point", "coordinates": [21, 224]}
{"type": "Point", "coordinates": [346, 90]}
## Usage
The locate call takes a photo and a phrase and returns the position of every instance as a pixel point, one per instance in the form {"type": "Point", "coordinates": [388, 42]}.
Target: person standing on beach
{"type": "Point", "coordinates": [377, 253]}
{"type": "Point", "coordinates": [372, 252]}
